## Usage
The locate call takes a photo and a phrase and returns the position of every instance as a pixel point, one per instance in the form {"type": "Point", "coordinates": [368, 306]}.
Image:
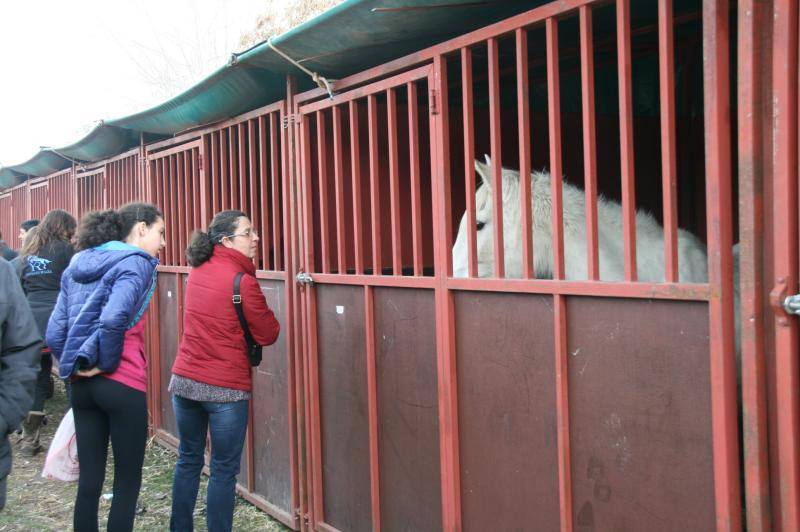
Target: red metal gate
{"type": "Point", "coordinates": [125, 179]}
{"type": "Point", "coordinates": [39, 198]}
{"type": "Point", "coordinates": [61, 190]}
{"type": "Point", "coordinates": [7, 228]}
{"type": "Point", "coordinates": [91, 190]}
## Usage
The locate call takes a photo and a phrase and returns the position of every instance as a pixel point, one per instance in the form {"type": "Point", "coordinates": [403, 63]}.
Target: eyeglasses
{"type": "Point", "coordinates": [250, 233]}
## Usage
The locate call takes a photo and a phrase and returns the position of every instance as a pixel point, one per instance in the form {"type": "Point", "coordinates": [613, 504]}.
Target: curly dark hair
{"type": "Point", "coordinates": [97, 228]}
{"type": "Point", "coordinates": [133, 213]}
{"type": "Point", "coordinates": [202, 245]}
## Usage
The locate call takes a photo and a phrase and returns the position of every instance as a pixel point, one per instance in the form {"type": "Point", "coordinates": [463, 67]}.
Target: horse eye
{"type": "Point", "coordinates": [480, 225]}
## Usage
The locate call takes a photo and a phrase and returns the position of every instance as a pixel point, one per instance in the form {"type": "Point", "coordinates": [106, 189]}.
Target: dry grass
{"type": "Point", "coordinates": [35, 503]}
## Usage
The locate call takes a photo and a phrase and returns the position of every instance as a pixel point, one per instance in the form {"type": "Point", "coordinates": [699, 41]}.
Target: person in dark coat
{"type": "Point", "coordinates": [211, 381]}
{"type": "Point", "coordinates": [44, 257]}
{"type": "Point", "coordinates": [96, 331]}
{"type": "Point", "coordinates": [5, 251]}
{"type": "Point", "coordinates": [20, 349]}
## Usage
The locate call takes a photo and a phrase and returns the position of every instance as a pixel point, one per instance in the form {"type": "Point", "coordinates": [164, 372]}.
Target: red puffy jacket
{"type": "Point", "coordinates": [213, 349]}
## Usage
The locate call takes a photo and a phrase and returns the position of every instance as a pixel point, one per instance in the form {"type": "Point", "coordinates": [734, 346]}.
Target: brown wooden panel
{"type": "Point", "coordinates": [168, 344]}
{"type": "Point", "coordinates": [343, 407]}
{"type": "Point", "coordinates": [271, 453]}
{"type": "Point", "coordinates": [408, 413]}
{"type": "Point", "coordinates": [640, 415]}
{"type": "Point", "coordinates": [507, 411]}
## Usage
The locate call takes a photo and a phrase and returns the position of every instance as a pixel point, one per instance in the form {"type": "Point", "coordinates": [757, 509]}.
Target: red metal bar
{"type": "Point", "coordinates": [752, 19]}
{"type": "Point", "coordinates": [375, 280]}
{"type": "Point", "coordinates": [355, 166]}
{"type": "Point", "coordinates": [468, 113]}
{"type": "Point", "coordinates": [374, 185]}
{"type": "Point", "coordinates": [275, 207]}
{"type": "Point", "coordinates": [255, 214]}
{"type": "Point", "coordinates": [241, 177]}
{"type": "Point", "coordinates": [322, 168]}
{"type": "Point", "coordinates": [523, 121]}
{"type": "Point", "coordinates": [495, 125]}
{"type": "Point", "coordinates": [216, 194]}
{"type": "Point", "coordinates": [179, 179]}
{"type": "Point", "coordinates": [262, 176]}
{"type": "Point", "coordinates": [224, 175]}
{"type": "Point", "coordinates": [554, 112]}
{"type": "Point", "coordinates": [199, 187]}
{"type": "Point", "coordinates": [716, 87]}
{"type": "Point", "coordinates": [626, 137]}
{"type": "Point", "coordinates": [447, 376]}
{"type": "Point", "coordinates": [372, 404]}
{"type": "Point", "coordinates": [204, 175]}
{"type": "Point", "coordinates": [562, 411]}
{"type": "Point", "coordinates": [338, 177]}
{"type": "Point", "coordinates": [589, 143]}
{"type": "Point", "coordinates": [308, 212]}
{"type": "Point", "coordinates": [785, 239]}
{"type": "Point", "coordinates": [666, 55]}
{"type": "Point", "coordinates": [174, 216]}
{"type": "Point", "coordinates": [414, 171]}
{"type": "Point", "coordinates": [394, 181]}
{"type": "Point", "coordinates": [233, 143]}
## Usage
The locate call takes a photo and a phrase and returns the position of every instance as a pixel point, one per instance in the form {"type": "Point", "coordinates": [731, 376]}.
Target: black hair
{"type": "Point", "coordinates": [133, 213]}
{"type": "Point", "coordinates": [97, 228]}
{"type": "Point", "coordinates": [27, 225]}
{"type": "Point", "coordinates": [202, 245]}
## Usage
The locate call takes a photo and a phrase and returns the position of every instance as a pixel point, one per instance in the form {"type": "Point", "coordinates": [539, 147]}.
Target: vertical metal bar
{"type": "Point", "coordinates": [216, 199]}
{"type": "Point", "coordinates": [468, 113]}
{"type": "Point", "coordinates": [752, 20]}
{"type": "Point", "coordinates": [554, 111]}
{"type": "Point", "coordinates": [262, 176]}
{"type": "Point", "coordinates": [394, 181]}
{"type": "Point", "coordinates": [447, 376]}
{"type": "Point", "coordinates": [495, 126]}
{"type": "Point", "coordinates": [255, 214]}
{"type": "Point", "coordinates": [307, 198]}
{"type": "Point", "coordinates": [716, 87]}
{"type": "Point", "coordinates": [224, 172]}
{"type": "Point", "coordinates": [523, 121]}
{"type": "Point", "coordinates": [666, 55]}
{"type": "Point", "coordinates": [374, 185]}
{"type": "Point", "coordinates": [785, 218]}
{"type": "Point", "coordinates": [626, 137]}
{"type": "Point", "coordinates": [562, 411]}
{"type": "Point", "coordinates": [241, 179]}
{"type": "Point", "coordinates": [338, 171]}
{"type": "Point", "coordinates": [204, 174]}
{"type": "Point", "coordinates": [233, 142]}
{"type": "Point", "coordinates": [355, 166]}
{"type": "Point", "coordinates": [589, 142]}
{"type": "Point", "coordinates": [174, 226]}
{"type": "Point", "coordinates": [322, 166]}
{"type": "Point", "coordinates": [414, 170]}
{"type": "Point", "coordinates": [372, 405]}
{"type": "Point", "coordinates": [179, 220]}
{"type": "Point", "coordinates": [277, 241]}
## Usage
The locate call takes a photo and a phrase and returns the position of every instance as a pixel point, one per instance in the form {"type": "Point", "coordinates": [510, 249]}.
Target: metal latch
{"type": "Point", "coordinates": [792, 305]}
{"type": "Point", "coordinates": [304, 278]}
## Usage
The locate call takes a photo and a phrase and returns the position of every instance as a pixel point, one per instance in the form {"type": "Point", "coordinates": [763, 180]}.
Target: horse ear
{"type": "Point", "coordinates": [485, 171]}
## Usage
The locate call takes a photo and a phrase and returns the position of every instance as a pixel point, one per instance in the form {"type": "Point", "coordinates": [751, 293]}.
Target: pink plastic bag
{"type": "Point", "coordinates": [62, 457]}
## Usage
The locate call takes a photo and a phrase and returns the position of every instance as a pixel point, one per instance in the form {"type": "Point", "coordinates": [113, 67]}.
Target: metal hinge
{"type": "Point", "coordinates": [293, 118]}
{"type": "Point", "coordinates": [433, 102]}
{"type": "Point", "coordinates": [792, 305]}
{"type": "Point", "coordinates": [304, 278]}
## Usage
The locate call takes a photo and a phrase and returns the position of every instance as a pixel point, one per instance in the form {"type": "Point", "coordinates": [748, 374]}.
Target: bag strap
{"type": "Point", "coordinates": [237, 304]}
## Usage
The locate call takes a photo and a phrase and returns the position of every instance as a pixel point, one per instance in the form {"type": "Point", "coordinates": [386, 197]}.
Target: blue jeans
{"type": "Point", "coordinates": [228, 423]}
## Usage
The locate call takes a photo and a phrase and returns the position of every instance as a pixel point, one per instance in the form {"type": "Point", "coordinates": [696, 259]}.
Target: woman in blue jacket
{"type": "Point", "coordinates": [96, 332]}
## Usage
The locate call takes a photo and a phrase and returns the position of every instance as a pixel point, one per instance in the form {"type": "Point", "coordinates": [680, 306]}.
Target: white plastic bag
{"type": "Point", "coordinates": [62, 457]}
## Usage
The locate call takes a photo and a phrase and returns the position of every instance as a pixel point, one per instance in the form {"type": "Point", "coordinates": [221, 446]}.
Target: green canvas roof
{"type": "Point", "coordinates": [348, 38]}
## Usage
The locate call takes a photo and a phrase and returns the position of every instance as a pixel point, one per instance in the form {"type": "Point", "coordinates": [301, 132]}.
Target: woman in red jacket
{"type": "Point", "coordinates": [211, 379]}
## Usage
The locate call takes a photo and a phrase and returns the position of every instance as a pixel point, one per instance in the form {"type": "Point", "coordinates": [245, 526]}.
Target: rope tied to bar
{"type": "Point", "coordinates": [321, 81]}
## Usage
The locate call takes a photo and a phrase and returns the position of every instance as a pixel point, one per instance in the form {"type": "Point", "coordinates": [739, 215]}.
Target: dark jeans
{"type": "Point", "coordinates": [228, 423]}
{"type": "Point", "coordinates": [104, 408]}
{"type": "Point", "coordinates": [42, 383]}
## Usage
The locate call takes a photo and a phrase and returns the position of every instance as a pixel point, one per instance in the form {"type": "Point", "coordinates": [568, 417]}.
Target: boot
{"type": "Point", "coordinates": [31, 428]}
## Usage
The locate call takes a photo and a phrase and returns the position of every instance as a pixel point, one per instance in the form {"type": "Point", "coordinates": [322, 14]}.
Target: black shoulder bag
{"type": "Point", "coordinates": [253, 349]}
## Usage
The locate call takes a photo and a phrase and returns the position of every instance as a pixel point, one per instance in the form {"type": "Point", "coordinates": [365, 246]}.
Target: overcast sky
{"type": "Point", "coordinates": [66, 65]}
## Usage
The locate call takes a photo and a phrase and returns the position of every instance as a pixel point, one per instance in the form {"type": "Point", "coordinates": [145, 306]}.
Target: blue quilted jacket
{"type": "Point", "coordinates": [104, 292]}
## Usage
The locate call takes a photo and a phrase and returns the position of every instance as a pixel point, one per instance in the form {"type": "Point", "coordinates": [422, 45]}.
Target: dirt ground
{"type": "Point", "coordinates": [35, 503]}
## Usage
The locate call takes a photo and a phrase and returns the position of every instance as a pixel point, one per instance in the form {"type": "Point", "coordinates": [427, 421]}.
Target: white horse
{"type": "Point", "coordinates": [692, 262]}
